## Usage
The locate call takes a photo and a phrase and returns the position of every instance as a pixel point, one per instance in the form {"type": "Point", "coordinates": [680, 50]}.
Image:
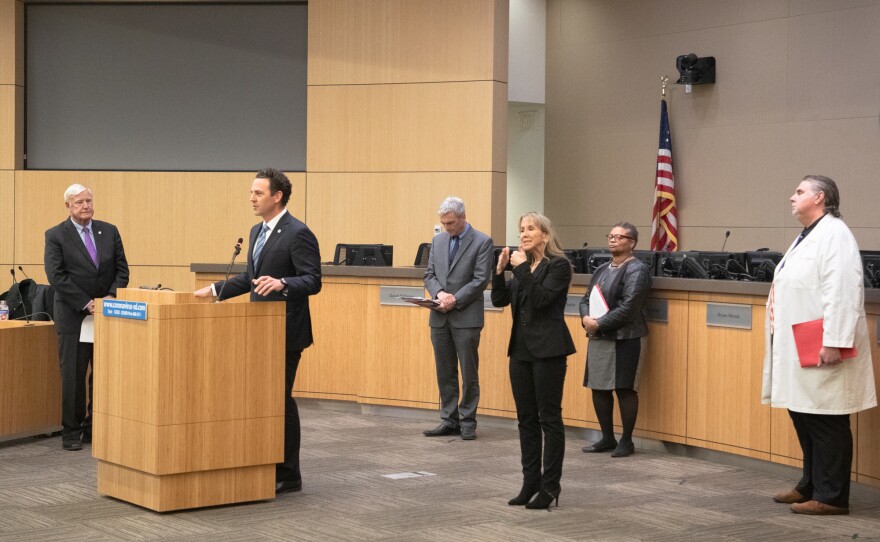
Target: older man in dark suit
{"type": "Point", "coordinates": [284, 264]}
{"type": "Point", "coordinates": [459, 269]}
{"type": "Point", "coordinates": [84, 260]}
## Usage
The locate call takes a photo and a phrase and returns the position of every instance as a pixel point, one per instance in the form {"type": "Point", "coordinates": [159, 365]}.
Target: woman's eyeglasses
{"type": "Point", "coordinates": [615, 237]}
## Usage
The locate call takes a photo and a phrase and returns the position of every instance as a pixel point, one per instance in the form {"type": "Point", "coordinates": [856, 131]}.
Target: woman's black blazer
{"type": "Point", "coordinates": [540, 317]}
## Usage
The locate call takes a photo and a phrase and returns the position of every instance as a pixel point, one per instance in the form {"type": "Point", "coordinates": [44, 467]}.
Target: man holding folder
{"type": "Point", "coordinates": [459, 269]}
{"type": "Point", "coordinates": [820, 278]}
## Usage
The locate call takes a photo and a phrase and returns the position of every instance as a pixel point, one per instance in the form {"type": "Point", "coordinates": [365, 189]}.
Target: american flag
{"type": "Point", "coordinates": [664, 228]}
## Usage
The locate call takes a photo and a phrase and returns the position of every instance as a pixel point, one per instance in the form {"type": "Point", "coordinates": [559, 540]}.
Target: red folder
{"type": "Point", "coordinates": [808, 339]}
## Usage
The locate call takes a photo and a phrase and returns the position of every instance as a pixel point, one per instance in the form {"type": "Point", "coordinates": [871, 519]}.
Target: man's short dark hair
{"type": "Point", "coordinates": [277, 181]}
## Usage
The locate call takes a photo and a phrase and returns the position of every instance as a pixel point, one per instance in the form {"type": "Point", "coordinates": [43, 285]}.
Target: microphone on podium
{"type": "Point", "coordinates": [23, 273]}
{"type": "Point", "coordinates": [724, 244]}
{"type": "Point", "coordinates": [235, 252]}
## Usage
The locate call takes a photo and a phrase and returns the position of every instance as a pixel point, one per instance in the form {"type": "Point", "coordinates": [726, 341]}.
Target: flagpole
{"type": "Point", "coordinates": [664, 223]}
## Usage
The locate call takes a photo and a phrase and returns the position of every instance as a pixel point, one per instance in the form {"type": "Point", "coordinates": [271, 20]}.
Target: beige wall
{"type": "Point", "coordinates": [407, 104]}
{"type": "Point", "coordinates": [796, 93]}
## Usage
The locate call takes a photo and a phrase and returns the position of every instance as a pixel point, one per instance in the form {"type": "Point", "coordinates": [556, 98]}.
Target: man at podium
{"type": "Point", "coordinates": [283, 264]}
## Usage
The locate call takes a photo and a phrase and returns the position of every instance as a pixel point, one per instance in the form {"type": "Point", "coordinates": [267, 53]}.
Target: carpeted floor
{"type": "Point", "coordinates": [49, 494]}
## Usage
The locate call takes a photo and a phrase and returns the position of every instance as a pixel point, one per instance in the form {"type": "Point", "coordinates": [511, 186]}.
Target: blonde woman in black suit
{"type": "Point", "coordinates": [539, 344]}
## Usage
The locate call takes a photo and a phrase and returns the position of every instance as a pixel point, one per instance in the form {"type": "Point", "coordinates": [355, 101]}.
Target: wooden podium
{"type": "Point", "coordinates": [189, 403]}
{"type": "Point", "coordinates": [30, 379]}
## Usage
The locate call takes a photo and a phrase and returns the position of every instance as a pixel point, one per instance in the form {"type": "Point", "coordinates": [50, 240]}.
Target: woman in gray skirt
{"type": "Point", "coordinates": [613, 316]}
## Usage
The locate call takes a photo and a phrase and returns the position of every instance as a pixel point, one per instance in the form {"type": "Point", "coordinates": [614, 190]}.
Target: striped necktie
{"type": "Point", "coordinates": [261, 241]}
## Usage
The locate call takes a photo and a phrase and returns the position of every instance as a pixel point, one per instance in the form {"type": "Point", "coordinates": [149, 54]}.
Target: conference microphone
{"type": "Point", "coordinates": [23, 273]}
{"type": "Point", "coordinates": [724, 244]}
{"type": "Point", "coordinates": [235, 252]}
{"type": "Point", "coordinates": [585, 244]}
{"type": "Point", "coordinates": [12, 272]}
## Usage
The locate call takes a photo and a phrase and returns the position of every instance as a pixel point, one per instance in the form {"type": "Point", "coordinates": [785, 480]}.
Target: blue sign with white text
{"type": "Point", "coordinates": [134, 310]}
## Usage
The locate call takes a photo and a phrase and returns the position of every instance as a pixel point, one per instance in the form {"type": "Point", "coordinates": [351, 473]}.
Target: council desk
{"type": "Point", "coordinates": [700, 385]}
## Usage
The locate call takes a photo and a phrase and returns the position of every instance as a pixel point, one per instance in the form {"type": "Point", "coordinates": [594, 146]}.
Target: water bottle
{"type": "Point", "coordinates": [4, 310]}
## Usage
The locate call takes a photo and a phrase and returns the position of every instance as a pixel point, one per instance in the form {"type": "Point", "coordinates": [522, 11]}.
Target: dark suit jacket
{"type": "Point", "coordinates": [290, 253]}
{"type": "Point", "coordinates": [626, 295]}
{"type": "Point", "coordinates": [541, 316]}
{"type": "Point", "coordinates": [466, 279]}
{"type": "Point", "coordinates": [73, 275]}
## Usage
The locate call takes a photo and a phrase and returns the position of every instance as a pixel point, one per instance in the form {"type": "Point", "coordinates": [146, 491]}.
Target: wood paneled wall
{"type": "Point", "coordinates": [407, 105]}
{"type": "Point", "coordinates": [11, 119]}
{"type": "Point", "coordinates": [359, 206]}
{"type": "Point", "coordinates": [796, 94]}
{"type": "Point", "coordinates": [407, 41]}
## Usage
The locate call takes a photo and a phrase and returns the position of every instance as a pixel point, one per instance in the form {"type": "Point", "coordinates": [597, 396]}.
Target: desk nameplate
{"type": "Point", "coordinates": [391, 295]}
{"type": "Point", "coordinates": [573, 305]}
{"type": "Point", "coordinates": [729, 315]}
{"type": "Point", "coordinates": [657, 310]}
{"type": "Point", "coordinates": [487, 302]}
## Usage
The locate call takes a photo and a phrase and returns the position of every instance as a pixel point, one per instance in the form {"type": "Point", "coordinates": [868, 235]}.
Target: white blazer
{"type": "Point", "coordinates": [822, 277]}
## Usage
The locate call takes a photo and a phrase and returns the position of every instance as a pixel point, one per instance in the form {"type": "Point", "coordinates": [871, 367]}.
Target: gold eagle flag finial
{"type": "Point", "coordinates": [664, 80]}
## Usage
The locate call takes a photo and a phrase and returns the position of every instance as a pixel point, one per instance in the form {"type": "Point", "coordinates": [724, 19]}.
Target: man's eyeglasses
{"type": "Point", "coordinates": [616, 237]}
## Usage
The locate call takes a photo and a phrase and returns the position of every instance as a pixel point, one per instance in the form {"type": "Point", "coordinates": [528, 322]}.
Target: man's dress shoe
{"type": "Point", "coordinates": [442, 430]}
{"type": "Point", "coordinates": [468, 433]}
{"type": "Point", "coordinates": [72, 446]}
{"type": "Point", "coordinates": [790, 497]}
{"type": "Point", "coordinates": [285, 486]}
{"type": "Point", "coordinates": [816, 508]}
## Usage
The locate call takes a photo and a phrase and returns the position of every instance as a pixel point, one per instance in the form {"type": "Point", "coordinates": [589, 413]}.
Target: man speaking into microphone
{"type": "Point", "coordinates": [84, 260]}
{"type": "Point", "coordinates": [283, 264]}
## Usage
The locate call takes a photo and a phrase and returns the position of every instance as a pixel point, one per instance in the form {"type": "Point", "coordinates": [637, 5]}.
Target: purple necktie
{"type": "Point", "coordinates": [90, 247]}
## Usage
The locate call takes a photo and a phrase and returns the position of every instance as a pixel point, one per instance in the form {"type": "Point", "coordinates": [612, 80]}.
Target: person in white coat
{"type": "Point", "coordinates": [820, 277]}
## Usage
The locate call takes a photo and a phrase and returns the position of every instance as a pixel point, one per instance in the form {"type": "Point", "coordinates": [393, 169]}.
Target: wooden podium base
{"type": "Point", "coordinates": [164, 493]}
{"type": "Point", "coordinates": [189, 403]}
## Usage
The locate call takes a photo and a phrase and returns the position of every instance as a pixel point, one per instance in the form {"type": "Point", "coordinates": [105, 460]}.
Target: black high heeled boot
{"type": "Point", "coordinates": [525, 495]}
{"type": "Point", "coordinates": [544, 499]}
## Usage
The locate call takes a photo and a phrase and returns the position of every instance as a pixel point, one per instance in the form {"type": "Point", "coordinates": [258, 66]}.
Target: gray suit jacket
{"type": "Point", "coordinates": [466, 279]}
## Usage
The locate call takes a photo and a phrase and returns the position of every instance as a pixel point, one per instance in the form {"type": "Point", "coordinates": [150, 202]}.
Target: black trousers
{"type": "Point", "coordinates": [289, 470]}
{"type": "Point", "coordinates": [537, 391]}
{"type": "Point", "coordinates": [826, 441]}
{"type": "Point", "coordinates": [75, 359]}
